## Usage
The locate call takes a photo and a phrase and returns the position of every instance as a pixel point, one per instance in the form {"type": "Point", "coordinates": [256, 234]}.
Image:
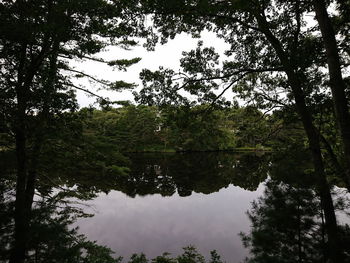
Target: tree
{"type": "Point", "coordinates": [197, 129]}
{"type": "Point", "coordinates": [38, 39]}
{"type": "Point", "coordinates": [129, 128]}
{"type": "Point", "coordinates": [52, 238]}
{"type": "Point", "coordinates": [286, 226]}
{"type": "Point", "coordinates": [190, 255]}
{"type": "Point", "coordinates": [337, 84]}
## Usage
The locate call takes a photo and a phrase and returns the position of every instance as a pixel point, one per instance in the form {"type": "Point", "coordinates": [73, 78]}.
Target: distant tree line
{"type": "Point", "coordinates": [134, 128]}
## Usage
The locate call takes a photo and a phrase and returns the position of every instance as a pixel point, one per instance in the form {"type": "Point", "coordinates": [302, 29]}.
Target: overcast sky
{"type": "Point", "coordinates": [167, 55]}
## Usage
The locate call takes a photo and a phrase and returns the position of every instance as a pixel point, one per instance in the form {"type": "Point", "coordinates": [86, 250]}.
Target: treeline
{"type": "Point", "coordinates": [141, 128]}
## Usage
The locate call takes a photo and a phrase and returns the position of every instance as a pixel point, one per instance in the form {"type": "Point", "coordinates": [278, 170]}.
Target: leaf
{"type": "Point", "coordinates": [122, 64]}
{"type": "Point", "coordinates": [119, 85]}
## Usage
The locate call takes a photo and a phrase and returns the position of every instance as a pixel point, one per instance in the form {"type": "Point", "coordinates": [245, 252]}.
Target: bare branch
{"type": "Point", "coordinates": [85, 90]}
{"type": "Point", "coordinates": [225, 89]}
{"type": "Point", "coordinates": [243, 70]}
{"type": "Point", "coordinates": [103, 82]}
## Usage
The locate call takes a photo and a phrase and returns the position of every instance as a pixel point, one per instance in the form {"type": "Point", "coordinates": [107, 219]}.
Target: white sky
{"type": "Point", "coordinates": [167, 55]}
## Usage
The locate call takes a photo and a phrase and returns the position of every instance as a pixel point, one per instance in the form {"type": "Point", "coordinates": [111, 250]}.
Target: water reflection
{"type": "Point", "coordinates": [168, 201]}
{"type": "Point", "coordinates": [187, 173]}
{"type": "Point", "coordinates": [173, 200]}
{"type": "Point", "coordinates": [288, 225]}
{"type": "Point", "coordinates": [153, 224]}
{"type": "Point", "coordinates": [51, 236]}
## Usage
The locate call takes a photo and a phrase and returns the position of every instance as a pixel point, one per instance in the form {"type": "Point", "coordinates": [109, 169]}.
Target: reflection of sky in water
{"type": "Point", "coordinates": [342, 215]}
{"type": "Point", "coordinates": [155, 224]}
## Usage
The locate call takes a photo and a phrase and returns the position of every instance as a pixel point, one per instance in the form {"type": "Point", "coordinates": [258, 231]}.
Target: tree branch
{"type": "Point", "coordinates": [85, 90]}
{"type": "Point", "coordinates": [103, 82]}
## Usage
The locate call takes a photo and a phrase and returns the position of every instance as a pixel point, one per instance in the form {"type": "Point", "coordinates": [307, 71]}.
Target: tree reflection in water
{"type": "Point", "coordinates": [287, 223]}
{"type": "Point", "coordinates": [52, 239]}
{"type": "Point", "coordinates": [288, 226]}
{"type": "Point", "coordinates": [187, 173]}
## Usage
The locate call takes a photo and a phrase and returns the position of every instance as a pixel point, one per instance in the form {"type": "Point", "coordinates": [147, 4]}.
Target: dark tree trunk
{"type": "Point", "coordinates": [336, 255]}
{"type": "Point", "coordinates": [21, 222]}
{"type": "Point", "coordinates": [27, 169]}
{"type": "Point", "coordinates": [337, 83]}
{"type": "Point", "coordinates": [25, 189]}
{"type": "Point", "coordinates": [335, 252]}
{"type": "Point", "coordinates": [20, 215]}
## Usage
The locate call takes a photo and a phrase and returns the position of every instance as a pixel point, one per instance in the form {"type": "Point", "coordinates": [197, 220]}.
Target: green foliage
{"type": "Point", "coordinates": [38, 41]}
{"type": "Point", "coordinates": [130, 128]}
{"type": "Point", "coordinates": [98, 254]}
{"type": "Point", "coordinates": [165, 258]}
{"type": "Point", "coordinates": [251, 127]}
{"type": "Point", "coordinates": [199, 128]}
{"type": "Point", "coordinates": [268, 42]}
{"type": "Point", "coordinates": [188, 173]}
{"type": "Point", "coordinates": [52, 237]}
{"type": "Point", "coordinates": [138, 258]}
{"type": "Point", "coordinates": [119, 85]}
{"type": "Point", "coordinates": [190, 255]}
{"type": "Point", "coordinates": [286, 226]}
{"type": "Point", "coordinates": [81, 157]}
{"type": "Point", "coordinates": [122, 64]}
{"type": "Point", "coordinates": [215, 257]}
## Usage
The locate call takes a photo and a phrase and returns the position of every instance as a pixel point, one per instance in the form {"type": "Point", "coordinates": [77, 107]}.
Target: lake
{"type": "Point", "coordinates": [174, 200]}
{"type": "Point", "coordinates": [162, 202]}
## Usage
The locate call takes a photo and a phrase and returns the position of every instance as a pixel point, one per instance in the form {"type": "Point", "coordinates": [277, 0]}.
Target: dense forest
{"type": "Point", "coordinates": [286, 63]}
{"type": "Point", "coordinates": [147, 128]}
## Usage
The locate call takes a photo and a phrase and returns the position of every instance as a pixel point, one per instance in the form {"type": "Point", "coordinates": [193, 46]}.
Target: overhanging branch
{"type": "Point", "coordinates": [103, 82]}
{"type": "Point", "coordinates": [85, 90]}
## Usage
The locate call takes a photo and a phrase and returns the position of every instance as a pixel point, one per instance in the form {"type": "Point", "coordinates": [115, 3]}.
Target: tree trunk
{"type": "Point", "coordinates": [336, 255]}
{"type": "Point", "coordinates": [28, 67]}
{"type": "Point", "coordinates": [21, 226]}
{"type": "Point", "coordinates": [337, 83]}
{"type": "Point", "coordinates": [335, 251]}
{"type": "Point", "coordinates": [21, 216]}
{"type": "Point", "coordinates": [27, 171]}
{"type": "Point", "coordinates": [25, 189]}
{"type": "Point", "coordinates": [18, 252]}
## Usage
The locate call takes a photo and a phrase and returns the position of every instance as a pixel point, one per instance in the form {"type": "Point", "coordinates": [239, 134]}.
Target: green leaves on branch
{"type": "Point", "coordinates": [120, 85]}
{"type": "Point", "coordinates": [160, 88]}
{"type": "Point", "coordinates": [122, 64]}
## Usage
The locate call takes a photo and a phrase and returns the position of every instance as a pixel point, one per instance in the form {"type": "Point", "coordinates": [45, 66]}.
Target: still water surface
{"type": "Point", "coordinates": [171, 201]}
